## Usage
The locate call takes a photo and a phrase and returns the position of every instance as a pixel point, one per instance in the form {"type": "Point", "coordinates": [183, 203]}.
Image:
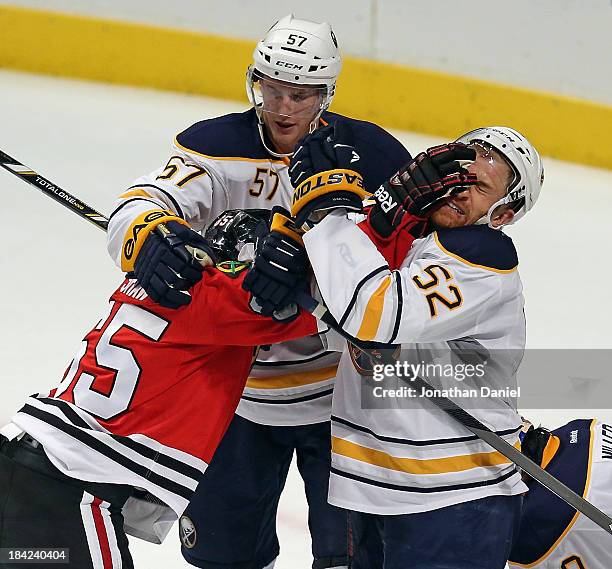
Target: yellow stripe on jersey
{"type": "Point", "coordinates": [284, 160]}
{"type": "Point", "coordinates": [416, 465]}
{"type": "Point", "coordinates": [551, 448]}
{"type": "Point", "coordinates": [136, 193]}
{"type": "Point", "coordinates": [587, 485]}
{"type": "Point", "coordinates": [373, 312]}
{"type": "Point", "coordinates": [466, 262]}
{"type": "Point", "coordinates": [139, 230]}
{"type": "Point", "coordinates": [231, 158]}
{"type": "Point", "coordinates": [292, 379]}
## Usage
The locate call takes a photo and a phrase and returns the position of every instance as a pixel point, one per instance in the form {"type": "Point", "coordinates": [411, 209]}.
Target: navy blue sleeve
{"type": "Point", "coordinates": [382, 155]}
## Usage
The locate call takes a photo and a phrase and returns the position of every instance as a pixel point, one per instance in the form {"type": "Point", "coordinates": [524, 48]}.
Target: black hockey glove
{"type": "Point", "coordinates": [327, 148]}
{"type": "Point", "coordinates": [322, 173]}
{"type": "Point", "coordinates": [279, 270]}
{"type": "Point", "coordinates": [422, 184]}
{"type": "Point", "coordinates": [166, 269]}
{"type": "Point", "coordinates": [534, 443]}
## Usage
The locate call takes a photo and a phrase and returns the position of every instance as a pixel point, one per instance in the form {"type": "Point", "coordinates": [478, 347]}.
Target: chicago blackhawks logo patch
{"type": "Point", "coordinates": [232, 268]}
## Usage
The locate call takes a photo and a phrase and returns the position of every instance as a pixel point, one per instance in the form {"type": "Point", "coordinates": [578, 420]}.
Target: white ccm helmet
{"type": "Point", "coordinates": [524, 161]}
{"type": "Point", "coordinates": [296, 51]}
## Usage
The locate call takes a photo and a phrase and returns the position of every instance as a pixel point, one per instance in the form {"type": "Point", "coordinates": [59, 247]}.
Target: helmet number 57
{"type": "Point", "coordinates": [293, 39]}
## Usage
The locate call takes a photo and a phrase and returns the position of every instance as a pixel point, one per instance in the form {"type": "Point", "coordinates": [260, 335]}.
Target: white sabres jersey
{"type": "Point", "coordinates": [221, 164]}
{"type": "Point", "coordinates": [553, 535]}
{"type": "Point", "coordinates": [456, 286]}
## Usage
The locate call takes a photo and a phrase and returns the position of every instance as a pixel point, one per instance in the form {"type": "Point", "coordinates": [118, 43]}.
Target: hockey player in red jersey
{"type": "Point", "coordinates": [143, 405]}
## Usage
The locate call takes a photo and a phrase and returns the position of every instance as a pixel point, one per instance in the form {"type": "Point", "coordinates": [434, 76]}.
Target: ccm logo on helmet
{"type": "Point", "coordinates": [288, 65]}
{"type": "Point", "coordinates": [331, 179]}
{"type": "Point", "coordinates": [504, 134]}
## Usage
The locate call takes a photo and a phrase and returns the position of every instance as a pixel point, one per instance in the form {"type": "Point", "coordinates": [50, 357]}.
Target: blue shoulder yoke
{"type": "Point", "coordinates": [480, 245]}
{"type": "Point", "coordinates": [229, 136]}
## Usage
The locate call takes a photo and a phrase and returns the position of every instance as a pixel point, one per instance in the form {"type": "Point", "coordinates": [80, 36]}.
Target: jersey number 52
{"type": "Point", "coordinates": [430, 280]}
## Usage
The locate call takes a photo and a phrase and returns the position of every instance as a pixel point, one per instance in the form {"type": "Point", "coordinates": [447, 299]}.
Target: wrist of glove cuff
{"type": "Point", "coordinates": [386, 231]}
{"type": "Point", "coordinates": [283, 224]}
{"type": "Point", "coordinates": [327, 191]}
{"type": "Point", "coordinates": [280, 266]}
{"type": "Point", "coordinates": [166, 266]}
{"type": "Point", "coordinates": [139, 230]}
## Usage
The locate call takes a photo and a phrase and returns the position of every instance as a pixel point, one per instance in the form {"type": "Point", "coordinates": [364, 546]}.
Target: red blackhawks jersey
{"type": "Point", "coordinates": [151, 391]}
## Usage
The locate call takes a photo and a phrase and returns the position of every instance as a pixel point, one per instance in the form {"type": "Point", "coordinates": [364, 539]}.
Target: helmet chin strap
{"type": "Point", "coordinates": [314, 123]}
{"type": "Point", "coordinates": [487, 218]}
{"type": "Point", "coordinates": [262, 136]}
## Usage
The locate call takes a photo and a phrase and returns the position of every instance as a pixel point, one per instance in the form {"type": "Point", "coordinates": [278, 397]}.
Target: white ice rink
{"type": "Point", "coordinates": [93, 140]}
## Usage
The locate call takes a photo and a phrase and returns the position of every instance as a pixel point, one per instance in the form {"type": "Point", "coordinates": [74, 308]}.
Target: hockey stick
{"type": "Point", "coordinates": [51, 190]}
{"type": "Point", "coordinates": [320, 312]}
{"type": "Point", "coordinates": [76, 205]}
{"type": "Point", "coordinates": [483, 432]}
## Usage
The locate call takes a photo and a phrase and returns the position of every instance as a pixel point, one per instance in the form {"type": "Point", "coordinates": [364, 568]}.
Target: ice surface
{"type": "Point", "coordinates": [93, 140]}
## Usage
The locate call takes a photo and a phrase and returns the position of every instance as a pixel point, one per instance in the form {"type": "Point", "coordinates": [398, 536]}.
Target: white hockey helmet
{"type": "Point", "coordinates": [299, 52]}
{"type": "Point", "coordinates": [523, 159]}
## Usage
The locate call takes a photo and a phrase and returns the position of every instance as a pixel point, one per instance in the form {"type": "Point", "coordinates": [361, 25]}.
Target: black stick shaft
{"type": "Point", "coordinates": [320, 311]}
{"type": "Point", "coordinates": [53, 191]}
{"type": "Point", "coordinates": [77, 206]}
{"type": "Point", "coordinates": [475, 426]}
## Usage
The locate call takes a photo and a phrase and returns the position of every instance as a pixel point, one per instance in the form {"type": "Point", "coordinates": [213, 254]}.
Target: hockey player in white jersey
{"type": "Point", "coordinates": [553, 535]}
{"type": "Point", "coordinates": [422, 490]}
{"type": "Point", "coordinates": [241, 161]}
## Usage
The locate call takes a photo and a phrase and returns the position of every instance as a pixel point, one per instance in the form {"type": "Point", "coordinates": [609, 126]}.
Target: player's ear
{"type": "Point", "coordinates": [502, 216]}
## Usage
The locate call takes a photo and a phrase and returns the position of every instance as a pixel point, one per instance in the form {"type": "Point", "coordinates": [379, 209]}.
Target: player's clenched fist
{"type": "Point", "coordinates": [417, 188]}
{"type": "Point", "coordinates": [322, 175]}
{"type": "Point", "coordinates": [327, 148]}
{"type": "Point", "coordinates": [279, 269]}
{"type": "Point", "coordinates": [166, 269]}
